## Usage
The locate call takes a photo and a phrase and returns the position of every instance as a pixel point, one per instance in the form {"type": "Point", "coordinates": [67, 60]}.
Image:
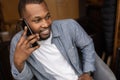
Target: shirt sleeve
{"type": "Point", "coordinates": [85, 43]}
{"type": "Point", "coordinates": [26, 73]}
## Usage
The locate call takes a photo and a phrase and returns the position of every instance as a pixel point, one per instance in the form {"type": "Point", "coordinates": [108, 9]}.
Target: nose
{"type": "Point", "coordinates": [45, 23]}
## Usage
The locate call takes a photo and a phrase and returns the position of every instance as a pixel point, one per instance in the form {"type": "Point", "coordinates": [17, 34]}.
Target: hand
{"type": "Point", "coordinates": [85, 76]}
{"type": "Point", "coordinates": [23, 49]}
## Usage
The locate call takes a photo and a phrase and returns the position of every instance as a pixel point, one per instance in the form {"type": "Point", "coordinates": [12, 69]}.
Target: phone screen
{"type": "Point", "coordinates": [29, 31]}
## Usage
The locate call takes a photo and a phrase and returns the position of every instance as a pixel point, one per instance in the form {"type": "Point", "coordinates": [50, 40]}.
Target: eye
{"type": "Point", "coordinates": [37, 20]}
{"type": "Point", "coordinates": [47, 17]}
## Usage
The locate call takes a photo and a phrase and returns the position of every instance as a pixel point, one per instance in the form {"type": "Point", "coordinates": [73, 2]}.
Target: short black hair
{"type": "Point", "coordinates": [22, 4]}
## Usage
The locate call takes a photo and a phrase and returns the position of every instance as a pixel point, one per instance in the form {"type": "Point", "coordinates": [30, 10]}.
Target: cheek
{"type": "Point", "coordinates": [50, 22]}
{"type": "Point", "coordinates": [35, 28]}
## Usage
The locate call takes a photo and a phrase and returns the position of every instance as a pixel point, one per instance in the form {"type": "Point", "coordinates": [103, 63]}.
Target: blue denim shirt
{"type": "Point", "coordinates": [68, 35]}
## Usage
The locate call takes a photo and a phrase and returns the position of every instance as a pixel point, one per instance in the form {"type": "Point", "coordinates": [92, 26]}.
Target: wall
{"type": "Point", "coordinates": [64, 8]}
{"type": "Point", "coordinates": [9, 9]}
{"type": "Point", "coordinates": [59, 9]}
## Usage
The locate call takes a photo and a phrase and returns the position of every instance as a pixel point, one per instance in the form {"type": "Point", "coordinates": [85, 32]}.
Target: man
{"type": "Point", "coordinates": [56, 56]}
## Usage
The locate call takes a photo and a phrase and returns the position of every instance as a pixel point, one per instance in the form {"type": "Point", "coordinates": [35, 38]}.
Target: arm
{"type": "Point", "coordinates": [19, 52]}
{"type": "Point", "coordinates": [85, 43]}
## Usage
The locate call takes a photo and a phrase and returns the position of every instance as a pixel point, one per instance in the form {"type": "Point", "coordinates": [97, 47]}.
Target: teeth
{"type": "Point", "coordinates": [45, 31]}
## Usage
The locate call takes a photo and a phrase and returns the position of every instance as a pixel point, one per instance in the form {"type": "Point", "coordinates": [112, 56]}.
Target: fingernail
{"type": "Point", "coordinates": [37, 36]}
{"type": "Point", "coordinates": [25, 28]}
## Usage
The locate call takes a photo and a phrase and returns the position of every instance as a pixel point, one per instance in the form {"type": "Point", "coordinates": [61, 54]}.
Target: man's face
{"type": "Point", "coordinates": [39, 19]}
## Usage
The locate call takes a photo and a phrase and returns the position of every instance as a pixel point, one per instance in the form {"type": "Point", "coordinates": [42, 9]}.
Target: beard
{"type": "Point", "coordinates": [44, 38]}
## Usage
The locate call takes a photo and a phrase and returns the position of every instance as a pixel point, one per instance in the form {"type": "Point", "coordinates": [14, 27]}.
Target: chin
{"type": "Point", "coordinates": [44, 37]}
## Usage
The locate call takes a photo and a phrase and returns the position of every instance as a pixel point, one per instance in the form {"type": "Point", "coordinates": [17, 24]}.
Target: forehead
{"type": "Point", "coordinates": [35, 10]}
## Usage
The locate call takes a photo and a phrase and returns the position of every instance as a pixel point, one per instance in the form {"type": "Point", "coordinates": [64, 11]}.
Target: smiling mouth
{"type": "Point", "coordinates": [45, 31]}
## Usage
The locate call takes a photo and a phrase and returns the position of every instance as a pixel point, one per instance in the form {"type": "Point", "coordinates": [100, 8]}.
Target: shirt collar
{"type": "Point", "coordinates": [55, 30]}
{"type": "Point", "coordinates": [47, 41]}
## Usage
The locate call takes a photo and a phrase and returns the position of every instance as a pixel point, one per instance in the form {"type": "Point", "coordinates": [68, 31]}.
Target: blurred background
{"type": "Point", "coordinates": [99, 18]}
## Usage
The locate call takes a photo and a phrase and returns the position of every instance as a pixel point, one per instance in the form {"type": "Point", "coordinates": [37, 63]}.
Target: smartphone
{"type": "Point", "coordinates": [29, 31]}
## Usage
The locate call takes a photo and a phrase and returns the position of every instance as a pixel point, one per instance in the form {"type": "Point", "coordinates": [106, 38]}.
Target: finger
{"type": "Point", "coordinates": [22, 38]}
{"type": "Point", "coordinates": [31, 39]}
{"type": "Point", "coordinates": [25, 32]}
{"type": "Point", "coordinates": [79, 78]}
{"type": "Point", "coordinates": [33, 48]}
{"type": "Point", "coordinates": [91, 78]}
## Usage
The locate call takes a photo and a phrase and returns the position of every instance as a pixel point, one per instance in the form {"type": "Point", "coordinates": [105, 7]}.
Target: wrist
{"type": "Point", "coordinates": [90, 73]}
{"type": "Point", "coordinates": [19, 66]}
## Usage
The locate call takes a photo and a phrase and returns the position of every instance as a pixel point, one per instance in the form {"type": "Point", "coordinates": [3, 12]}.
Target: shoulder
{"type": "Point", "coordinates": [66, 23]}
{"type": "Point", "coordinates": [14, 41]}
{"type": "Point", "coordinates": [16, 37]}
{"type": "Point", "coordinates": [66, 26]}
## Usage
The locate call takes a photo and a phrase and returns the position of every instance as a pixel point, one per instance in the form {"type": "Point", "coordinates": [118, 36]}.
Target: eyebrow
{"type": "Point", "coordinates": [43, 17]}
